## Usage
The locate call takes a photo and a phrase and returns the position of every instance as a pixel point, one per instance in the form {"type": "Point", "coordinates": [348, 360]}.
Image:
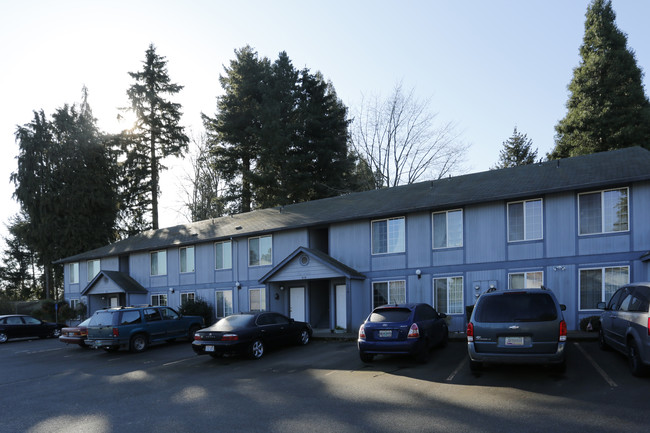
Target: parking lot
{"type": "Point", "coordinates": [323, 387]}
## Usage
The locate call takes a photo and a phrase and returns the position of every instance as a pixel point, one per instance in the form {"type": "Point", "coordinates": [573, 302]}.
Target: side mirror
{"type": "Point", "coordinates": [562, 307]}
{"type": "Point", "coordinates": [442, 315]}
{"type": "Point", "coordinates": [601, 306]}
{"type": "Point", "coordinates": [292, 320]}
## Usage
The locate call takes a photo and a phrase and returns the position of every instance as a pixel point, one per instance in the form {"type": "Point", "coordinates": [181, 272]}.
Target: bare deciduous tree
{"type": "Point", "coordinates": [400, 141]}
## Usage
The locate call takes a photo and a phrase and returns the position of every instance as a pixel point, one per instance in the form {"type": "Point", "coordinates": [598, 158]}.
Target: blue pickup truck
{"type": "Point", "coordinates": [135, 328]}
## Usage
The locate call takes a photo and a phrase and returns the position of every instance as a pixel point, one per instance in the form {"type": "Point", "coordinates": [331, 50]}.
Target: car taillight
{"type": "Point", "coordinates": [470, 332]}
{"type": "Point", "coordinates": [648, 325]}
{"type": "Point", "coordinates": [362, 333]}
{"type": "Point", "coordinates": [197, 337]}
{"type": "Point", "coordinates": [229, 337]}
{"type": "Point", "coordinates": [116, 332]}
{"type": "Point", "coordinates": [563, 331]}
{"type": "Point", "coordinates": [414, 332]}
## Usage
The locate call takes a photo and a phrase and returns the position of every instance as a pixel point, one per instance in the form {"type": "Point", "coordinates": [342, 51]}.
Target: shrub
{"type": "Point", "coordinates": [198, 307]}
{"type": "Point", "coordinates": [595, 323]}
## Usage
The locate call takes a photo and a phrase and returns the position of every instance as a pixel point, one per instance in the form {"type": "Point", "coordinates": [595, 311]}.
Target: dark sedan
{"type": "Point", "coordinates": [402, 329]}
{"type": "Point", "coordinates": [250, 334]}
{"type": "Point", "coordinates": [75, 334]}
{"type": "Point", "coordinates": [21, 326]}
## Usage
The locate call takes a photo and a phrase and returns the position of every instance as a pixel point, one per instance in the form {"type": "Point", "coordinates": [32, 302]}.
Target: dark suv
{"type": "Point", "coordinates": [519, 327]}
{"type": "Point", "coordinates": [136, 328]}
{"type": "Point", "coordinates": [408, 329]}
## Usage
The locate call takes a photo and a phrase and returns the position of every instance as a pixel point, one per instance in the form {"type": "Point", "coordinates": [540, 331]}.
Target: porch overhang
{"type": "Point", "coordinates": [113, 282]}
{"type": "Point", "coordinates": [308, 264]}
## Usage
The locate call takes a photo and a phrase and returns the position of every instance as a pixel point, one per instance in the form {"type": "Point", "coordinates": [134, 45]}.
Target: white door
{"type": "Point", "coordinates": [297, 303]}
{"type": "Point", "coordinates": [114, 301]}
{"type": "Point", "coordinates": [341, 308]}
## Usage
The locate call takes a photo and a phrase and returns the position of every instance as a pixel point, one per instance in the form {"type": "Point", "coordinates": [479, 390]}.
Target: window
{"type": "Point", "coordinates": [224, 303]}
{"type": "Point", "coordinates": [525, 280]}
{"type": "Point", "coordinates": [388, 292]}
{"type": "Point", "coordinates": [598, 285]}
{"type": "Point", "coordinates": [388, 236]}
{"type": "Point", "coordinates": [603, 211]}
{"type": "Point", "coordinates": [158, 300]}
{"type": "Point", "coordinates": [187, 259]}
{"type": "Point", "coordinates": [187, 297]}
{"type": "Point", "coordinates": [525, 221]}
{"type": "Point", "coordinates": [223, 255]}
{"type": "Point", "coordinates": [257, 298]}
{"type": "Point", "coordinates": [448, 229]}
{"type": "Point", "coordinates": [159, 263]}
{"type": "Point", "coordinates": [448, 295]}
{"type": "Point", "coordinates": [93, 269]}
{"type": "Point", "coordinates": [168, 314]}
{"type": "Point", "coordinates": [259, 251]}
{"type": "Point", "coordinates": [73, 272]}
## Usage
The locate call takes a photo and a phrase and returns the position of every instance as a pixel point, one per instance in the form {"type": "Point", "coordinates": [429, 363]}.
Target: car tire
{"type": "Point", "coordinates": [192, 331]}
{"type": "Point", "coordinates": [475, 366]}
{"type": "Point", "coordinates": [304, 337]}
{"type": "Point", "coordinates": [3, 337]}
{"type": "Point", "coordinates": [56, 333]}
{"type": "Point", "coordinates": [110, 349]}
{"type": "Point", "coordinates": [138, 343]}
{"type": "Point", "coordinates": [366, 357]}
{"type": "Point", "coordinates": [559, 368]}
{"type": "Point", "coordinates": [634, 360]}
{"type": "Point", "coordinates": [256, 349]}
{"type": "Point", "coordinates": [601, 341]}
{"type": "Point", "coordinates": [445, 339]}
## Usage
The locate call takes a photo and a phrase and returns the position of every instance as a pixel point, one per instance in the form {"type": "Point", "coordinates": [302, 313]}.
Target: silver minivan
{"type": "Point", "coordinates": [625, 325]}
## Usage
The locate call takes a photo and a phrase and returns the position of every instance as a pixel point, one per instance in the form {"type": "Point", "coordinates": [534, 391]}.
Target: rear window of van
{"type": "Point", "coordinates": [516, 307]}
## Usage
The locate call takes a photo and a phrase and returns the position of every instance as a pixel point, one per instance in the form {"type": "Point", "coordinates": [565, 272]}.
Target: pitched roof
{"type": "Point", "coordinates": [619, 167]}
{"type": "Point", "coordinates": [319, 256]}
{"type": "Point", "coordinates": [121, 279]}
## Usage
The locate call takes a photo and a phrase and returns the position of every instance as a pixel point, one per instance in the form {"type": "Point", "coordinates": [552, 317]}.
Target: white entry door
{"type": "Point", "coordinates": [114, 301]}
{"type": "Point", "coordinates": [341, 307]}
{"type": "Point", "coordinates": [297, 303]}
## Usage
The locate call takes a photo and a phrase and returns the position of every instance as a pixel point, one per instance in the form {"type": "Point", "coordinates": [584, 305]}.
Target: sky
{"type": "Point", "coordinates": [486, 66]}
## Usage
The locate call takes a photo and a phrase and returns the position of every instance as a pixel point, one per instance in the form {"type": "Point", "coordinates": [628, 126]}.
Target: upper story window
{"type": "Point", "coordinates": [603, 211]}
{"type": "Point", "coordinates": [448, 229]}
{"type": "Point", "coordinates": [388, 292]}
{"type": "Point", "coordinates": [73, 273]}
{"type": "Point", "coordinates": [260, 251]}
{"type": "Point", "coordinates": [525, 221]}
{"type": "Point", "coordinates": [388, 236]}
{"type": "Point", "coordinates": [525, 280]}
{"type": "Point", "coordinates": [187, 259]}
{"type": "Point", "coordinates": [93, 268]}
{"type": "Point", "coordinates": [159, 263]}
{"type": "Point", "coordinates": [223, 255]}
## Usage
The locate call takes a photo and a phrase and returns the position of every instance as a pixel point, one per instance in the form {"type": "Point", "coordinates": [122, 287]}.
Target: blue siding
{"type": "Point", "coordinates": [560, 224]}
{"type": "Point", "coordinates": [418, 231]}
{"type": "Point", "coordinates": [485, 233]}
{"type": "Point", "coordinates": [640, 216]}
{"type": "Point", "coordinates": [350, 244]}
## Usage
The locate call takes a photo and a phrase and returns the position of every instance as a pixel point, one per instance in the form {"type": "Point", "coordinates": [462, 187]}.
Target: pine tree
{"type": "Point", "coordinates": [607, 108]}
{"type": "Point", "coordinates": [517, 150]}
{"type": "Point", "coordinates": [157, 133]}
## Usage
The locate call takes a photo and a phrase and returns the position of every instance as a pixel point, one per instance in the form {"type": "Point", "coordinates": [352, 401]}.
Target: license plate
{"type": "Point", "coordinates": [514, 341]}
{"type": "Point", "coordinates": [209, 348]}
{"type": "Point", "coordinates": [70, 334]}
{"type": "Point", "coordinates": [383, 333]}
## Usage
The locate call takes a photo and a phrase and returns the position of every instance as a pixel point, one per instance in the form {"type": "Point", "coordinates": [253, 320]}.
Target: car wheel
{"type": "Point", "coordinates": [192, 331]}
{"type": "Point", "coordinates": [304, 337]}
{"type": "Point", "coordinates": [601, 340]}
{"type": "Point", "coordinates": [110, 349]}
{"type": "Point", "coordinates": [3, 337]}
{"type": "Point", "coordinates": [257, 349]}
{"type": "Point", "coordinates": [559, 368]}
{"type": "Point", "coordinates": [634, 360]}
{"type": "Point", "coordinates": [84, 346]}
{"type": "Point", "coordinates": [475, 365]}
{"type": "Point", "coordinates": [56, 333]}
{"type": "Point", "coordinates": [138, 343]}
{"type": "Point", "coordinates": [366, 357]}
{"type": "Point", "coordinates": [445, 339]}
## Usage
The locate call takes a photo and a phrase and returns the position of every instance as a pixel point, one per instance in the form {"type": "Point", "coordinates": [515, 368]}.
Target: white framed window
{"type": "Point", "coordinates": [525, 280]}
{"type": "Point", "coordinates": [187, 259]}
{"type": "Point", "coordinates": [223, 303]}
{"type": "Point", "coordinates": [159, 263]}
{"type": "Point", "coordinates": [257, 299]}
{"type": "Point", "coordinates": [388, 236]}
{"type": "Point", "coordinates": [187, 297]}
{"type": "Point", "coordinates": [73, 273]}
{"type": "Point", "coordinates": [448, 295]}
{"type": "Point", "coordinates": [525, 220]}
{"type": "Point", "coordinates": [93, 268]}
{"type": "Point", "coordinates": [159, 300]}
{"type": "Point", "coordinates": [447, 229]}
{"type": "Point", "coordinates": [223, 255]}
{"type": "Point", "coordinates": [603, 211]}
{"type": "Point", "coordinates": [388, 292]}
{"type": "Point", "coordinates": [74, 303]}
{"type": "Point", "coordinates": [260, 251]}
{"type": "Point", "coordinates": [599, 284]}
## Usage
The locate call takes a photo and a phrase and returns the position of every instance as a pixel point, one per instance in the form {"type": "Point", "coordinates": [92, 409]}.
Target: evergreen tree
{"type": "Point", "coordinates": [18, 269]}
{"type": "Point", "coordinates": [157, 133]}
{"type": "Point", "coordinates": [517, 150]}
{"type": "Point", "coordinates": [607, 108]}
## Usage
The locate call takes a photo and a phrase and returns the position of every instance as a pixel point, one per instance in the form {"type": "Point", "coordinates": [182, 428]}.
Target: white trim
{"type": "Point", "coordinates": [151, 253]}
{"type": "Point", "coordinates": [388, 282]}
{"type": "Point", "coordinates": [259, 253]}
{"type": "Point", "coordinates": [526, 238]}
{"type": "Point", "coordinates": [223, 248]}
{"type": "Point", "coordinates": [462, 293]}
{"type": "Point", "coordinates": [602, 283]}
{"type": "Point", "coordinates": [180, 259]}
{"type": "Point", "coordinates": [372, 237]}
{"type": "Point", "coordinates": [525, 274]}
{"type": "Point", "coordinates": [462, 229]}
{"type": "Point", "coordinates": [602, 211]}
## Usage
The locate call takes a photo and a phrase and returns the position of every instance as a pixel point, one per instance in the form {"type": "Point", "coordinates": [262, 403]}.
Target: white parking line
{"type": "Point", "coordinates": [455, 372]}
{"type": "Point", "coordinates": [596, 366]}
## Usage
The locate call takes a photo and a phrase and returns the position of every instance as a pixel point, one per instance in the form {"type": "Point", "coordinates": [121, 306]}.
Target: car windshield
{"type": "Point", "coordinates": [390, 315]}
{"type": "Point", "coordinates": [235, 321]}
{"type": "Point", "coordinates": [102, 318]}
{"type": "Point", "coordinates": [516, 307]}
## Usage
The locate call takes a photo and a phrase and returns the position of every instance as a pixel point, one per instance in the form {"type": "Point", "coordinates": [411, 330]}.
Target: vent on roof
{"type": "Point", "coordinates": [238, 228]}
